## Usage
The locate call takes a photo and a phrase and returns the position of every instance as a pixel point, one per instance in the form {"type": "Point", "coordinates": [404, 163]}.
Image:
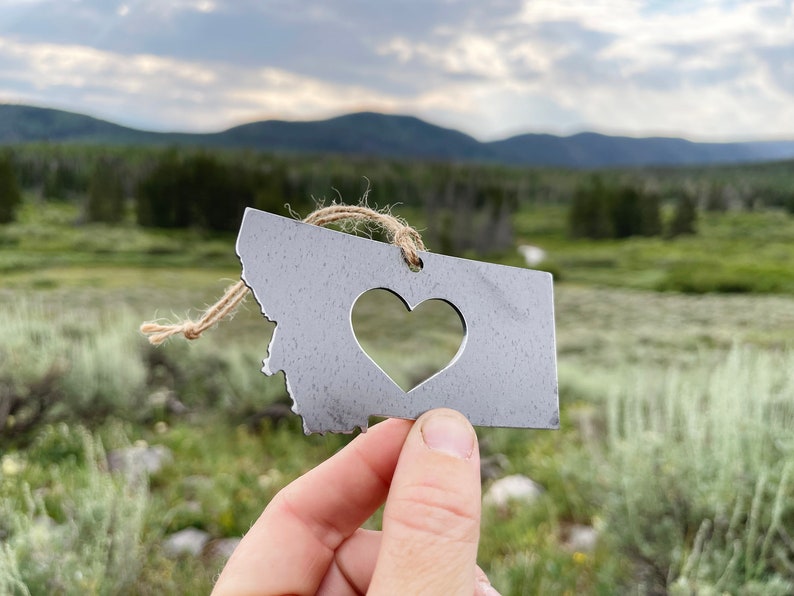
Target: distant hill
{"type": "Point", "coordinates": [381, 135]}
{"type": "Point", "coordinates": [22, 124]}
{"type": "Point", "coordinates": [364, 133]}
{"type": "Point", "coordinates": [588, 150]}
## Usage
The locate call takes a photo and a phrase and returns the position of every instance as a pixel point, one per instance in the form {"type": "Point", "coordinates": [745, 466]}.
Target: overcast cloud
{"type": "Point", "coordinates": [704, 69]}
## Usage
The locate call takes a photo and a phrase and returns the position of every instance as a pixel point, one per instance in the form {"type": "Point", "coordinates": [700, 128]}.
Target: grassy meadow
{"type": "Point", "coordinates": [676, 388]}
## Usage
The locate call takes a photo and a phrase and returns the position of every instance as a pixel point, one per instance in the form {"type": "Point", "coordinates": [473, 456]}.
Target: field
{"type": "Point", "coordinates": [677, 402]}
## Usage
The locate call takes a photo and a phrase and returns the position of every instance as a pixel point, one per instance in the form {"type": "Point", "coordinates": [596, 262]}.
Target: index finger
{"type": "Point", "coordinates": [291, 546]}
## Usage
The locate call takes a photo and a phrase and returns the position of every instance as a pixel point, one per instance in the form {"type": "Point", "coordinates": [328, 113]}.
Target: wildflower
{"type": "Point", "coordinates": [11, 466]}
{"type": "Point", "coordinates": [579, 558]}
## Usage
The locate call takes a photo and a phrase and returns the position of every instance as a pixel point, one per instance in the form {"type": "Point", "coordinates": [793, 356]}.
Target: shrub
{"type": "Point", "coordinates": [206, 378]}
{"type": "Point", "coordinates": [702, 470]}
{"type": "Point", "coordinates": [77, 532]}
{"type": "Point", "coordinates": [58, 365]}
{"type": "Point", "coordinates": [88, 365]}
{"type": "Point", "coordinates": [705, 277]}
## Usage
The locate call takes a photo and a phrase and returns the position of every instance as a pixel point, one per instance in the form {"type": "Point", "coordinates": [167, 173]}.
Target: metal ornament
{"type": "Point", "coordinates": [306, 279]}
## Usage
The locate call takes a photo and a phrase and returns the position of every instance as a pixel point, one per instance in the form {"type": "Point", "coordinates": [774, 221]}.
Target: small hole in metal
{"type": "Point", "coordinates": [414, 268]}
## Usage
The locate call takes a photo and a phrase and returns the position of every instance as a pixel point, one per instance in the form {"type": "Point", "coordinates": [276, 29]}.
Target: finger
{"type": "Point", "coordinates": [482, 585]}
{"type": "Point", "coordinates": [351, 570]}
{"type": "Point", "coordinates": [291, 545]}
{"type": "Point", "coordinates": [431, 523]}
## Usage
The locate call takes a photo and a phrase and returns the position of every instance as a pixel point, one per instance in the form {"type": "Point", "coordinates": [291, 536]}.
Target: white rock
{"type": "Point", "coordinates": [190, 541]}
{"type": "Point", "coordinates": [581, 538]}
{"type": "Point", "coordinates": [222, 548]}
{"type": "Point", "coordinates": [512, 488]}
{"type": "Point", "coordinates": [139, 461]}
{"type": "Point", "coordinates": [533, 255]}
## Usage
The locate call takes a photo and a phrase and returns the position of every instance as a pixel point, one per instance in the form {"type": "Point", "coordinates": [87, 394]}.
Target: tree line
{"type": "Point", "coordinates": [602, 210]}
{"type": "Point", "coordinates": [468, 207]}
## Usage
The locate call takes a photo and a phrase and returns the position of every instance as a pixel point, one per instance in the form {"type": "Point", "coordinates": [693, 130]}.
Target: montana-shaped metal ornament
{"type": "Point", "coordinates": [306, 279]}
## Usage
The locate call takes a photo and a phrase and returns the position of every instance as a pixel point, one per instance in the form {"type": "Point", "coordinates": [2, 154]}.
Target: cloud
{"type": "Point", "coordinates": [171, 7]}
{"type": "Point", "coordinates": [172, 94]}
{"type": "Point", "coordinates": [709, 69]}
{"type": "Point", "coordinates": [470, 55]}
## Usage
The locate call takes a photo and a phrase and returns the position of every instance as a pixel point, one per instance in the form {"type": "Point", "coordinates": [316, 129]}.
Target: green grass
{"type": "Point", "coordinates": [48, 240]}
{"type": "Point", "coordinates": [426, 338]}
{"type": "Point", "coordinates": [732, 252]}
{"type": "Point", "coordinates": [676, 411]}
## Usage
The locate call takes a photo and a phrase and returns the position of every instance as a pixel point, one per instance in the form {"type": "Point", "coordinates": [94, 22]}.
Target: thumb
{"type": "Point", "coordinates": [431, 523]}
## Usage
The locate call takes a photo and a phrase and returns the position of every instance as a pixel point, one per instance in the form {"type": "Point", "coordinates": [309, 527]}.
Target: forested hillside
{"type": "Point", "coordinates": [388, 136]}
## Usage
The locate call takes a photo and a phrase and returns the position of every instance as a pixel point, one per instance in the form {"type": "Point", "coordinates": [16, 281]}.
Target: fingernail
{"type": "Point", "coordinates": [449, 433]}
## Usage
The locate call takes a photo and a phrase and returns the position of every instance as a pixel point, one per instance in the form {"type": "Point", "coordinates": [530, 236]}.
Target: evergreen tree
{"type": "Point", "coordinates": [160, 196]}
{"type": "Point", "coordinates": [63, 179]}
{"type": "Point", "coordinates": [495, 204]}
{"type": "Point", "coordinates": [716, 201]}
{"type": "Point", "coordinates": [10, 197]}
{"type": "Point", "coordinates": [651, 215]}
{"type": "Point", "coordinates": [788, 202]}
{"type": "Point", "coordinates": [272, 193]}
{"type": "Point", "coordinates": [626, 212]}
{"type": "Point", "coordinates": [601, 211]}
{"type": "Point", "coordinates": [198, 190]}
{"type": "Point", "coordinates": [589, 216]}
{"type": "Point", "coordinates": [105, 199]}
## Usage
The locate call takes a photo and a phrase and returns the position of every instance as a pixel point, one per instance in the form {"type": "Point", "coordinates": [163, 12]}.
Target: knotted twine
{"type": "Point", "coordinates": [348, 217]}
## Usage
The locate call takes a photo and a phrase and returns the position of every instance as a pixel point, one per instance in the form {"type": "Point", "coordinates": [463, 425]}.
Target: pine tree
{"type": "Point", "coordinates": [159, 195]}
{"type": "Point", "coordinates": [10, 197]}
{"type": "Point", "coordinates": [105, 201]}
{"type": "Point", "coordinates": [589, 216]}
{"type": "Point", "coordinates": [626, 212]}
{"type": "Point", "coordinates": [197, 190]}
{"type": "Point", "coordinates": [716, 201]}
{"type": "Point", "coordinates": [651, 215]}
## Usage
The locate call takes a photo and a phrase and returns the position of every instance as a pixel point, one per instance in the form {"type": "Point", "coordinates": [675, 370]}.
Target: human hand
{"type": "Point", "coordinates": [309, 541]}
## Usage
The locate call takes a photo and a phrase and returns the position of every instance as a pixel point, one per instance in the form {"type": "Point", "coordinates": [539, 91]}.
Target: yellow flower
{"type": "Point", "coordinates": [579, 558]}
{"type": "Point", "coordinates": [11, 466]}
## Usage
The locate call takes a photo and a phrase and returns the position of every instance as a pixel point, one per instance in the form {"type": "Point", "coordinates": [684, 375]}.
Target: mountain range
{"type": "Point", "coordinates": [404, 137]}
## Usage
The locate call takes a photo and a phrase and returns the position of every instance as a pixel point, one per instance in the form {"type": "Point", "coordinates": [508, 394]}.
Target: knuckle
{"type": "Point", "coordinates": [436, 512]}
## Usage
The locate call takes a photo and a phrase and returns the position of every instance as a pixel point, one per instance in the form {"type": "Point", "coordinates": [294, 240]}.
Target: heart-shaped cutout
{"type": "Point", "coordinates": [409, 346]}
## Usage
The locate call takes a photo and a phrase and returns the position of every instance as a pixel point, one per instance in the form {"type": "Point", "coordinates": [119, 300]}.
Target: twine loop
{"type": "Point", "coordinates": [398, 232]}
{"type": "Point", "coordinates": [347, 217]}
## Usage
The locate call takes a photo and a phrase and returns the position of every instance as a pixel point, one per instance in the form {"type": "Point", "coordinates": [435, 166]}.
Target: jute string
{"type": "Point", "coordinates": [346, 216]}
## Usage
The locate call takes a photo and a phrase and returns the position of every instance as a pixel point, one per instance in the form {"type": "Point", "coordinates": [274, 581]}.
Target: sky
{"type": "Point", "coordinates": [702, 69]}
